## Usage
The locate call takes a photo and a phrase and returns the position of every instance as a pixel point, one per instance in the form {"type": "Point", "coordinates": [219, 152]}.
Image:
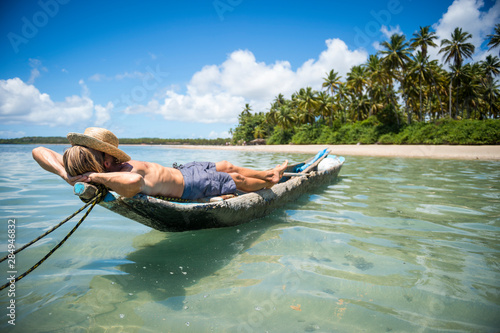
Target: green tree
{"type": "Point", "coordinates": [471, 87]}
{"type": "Point", "coordinates": [285, 118]}
{"type": "Point", "coordinates": [342, 99]}
{"type": "Point", "coordinates": [423, 39]}
{"type": "Point", "coordinates": [396, 55]}
{"type": "Point", "coordinates": [419, 69]}
{"type": "Point", "coordinates": [494, 39]}
{"type": "Point", "coordinates": [307, 105]}
{"type": "Point", "coordinates": [377, 81]}
{"type": "Point", "coordinates": [332, 82]}
{"type": "Point", "coordinates": [455, 50]}
{"type": "Point", "coordinates": [357, 80]}
{"type": "Point", "coordinates": [325, 106]}
{"type": "Point", "coordinates": [491, 66]}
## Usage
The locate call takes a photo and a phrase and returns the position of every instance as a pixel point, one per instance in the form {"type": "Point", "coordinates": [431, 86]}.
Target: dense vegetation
{"type": "Point", "coordinates": [398, 96]}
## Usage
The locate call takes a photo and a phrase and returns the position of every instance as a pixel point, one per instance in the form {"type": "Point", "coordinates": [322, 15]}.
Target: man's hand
{"type": "Point", "coordinates": [87, 177]}
{"type": "Point", "coordinates": [73, 180]}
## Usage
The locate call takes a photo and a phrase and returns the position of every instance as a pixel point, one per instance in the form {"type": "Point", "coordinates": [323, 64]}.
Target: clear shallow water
{"type": "Point", "coordinates": [394, 245]}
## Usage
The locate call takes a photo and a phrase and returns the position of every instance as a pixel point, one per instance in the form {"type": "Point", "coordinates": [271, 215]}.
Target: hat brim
{"type": "Point", "coordinates": [91, 142]}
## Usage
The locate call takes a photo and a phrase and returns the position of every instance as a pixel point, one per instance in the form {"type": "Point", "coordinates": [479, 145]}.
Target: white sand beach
{"type": "Point", "coordinates": [407, 151]}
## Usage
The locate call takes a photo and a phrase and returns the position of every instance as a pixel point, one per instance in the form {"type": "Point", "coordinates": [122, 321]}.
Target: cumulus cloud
{"type": "Point", "coordinates": [23, 103]}
{"type": "Point", "coordinates": [217, 93]}
{"type": "Point", "coordinates": [467, 15]}
{"type": "Point", "coordinates": [388, 32]}
{"type": "Point", "coordinates": [103, 114]}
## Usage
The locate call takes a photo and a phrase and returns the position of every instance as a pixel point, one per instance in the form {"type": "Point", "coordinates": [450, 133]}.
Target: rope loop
{"type": "Point", "coordinates": [98, 198]}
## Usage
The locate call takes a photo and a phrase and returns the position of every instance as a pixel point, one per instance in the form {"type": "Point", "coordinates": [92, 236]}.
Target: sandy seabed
{"type": "Point", "coordinates": [407, 151]}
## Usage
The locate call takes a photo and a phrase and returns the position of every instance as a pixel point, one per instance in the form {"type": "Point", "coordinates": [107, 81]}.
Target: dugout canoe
{"type": "Point", "coordinates": [224, 211]}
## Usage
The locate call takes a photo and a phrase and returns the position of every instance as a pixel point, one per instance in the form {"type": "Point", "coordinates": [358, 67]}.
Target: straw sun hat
{"type": "Point", "coordinates": [99, 139]}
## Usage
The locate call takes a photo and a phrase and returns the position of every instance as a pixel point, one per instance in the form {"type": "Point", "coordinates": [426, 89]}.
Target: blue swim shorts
{"type": "Point", "coordinates": [201, 179]}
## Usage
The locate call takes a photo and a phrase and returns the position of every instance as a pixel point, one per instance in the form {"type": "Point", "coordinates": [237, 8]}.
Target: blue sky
{"type": "Point", "coordinates": [185, 69]}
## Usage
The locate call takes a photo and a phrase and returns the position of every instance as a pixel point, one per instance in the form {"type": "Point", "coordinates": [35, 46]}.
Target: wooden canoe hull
{"type": "Point", "coordinates": [175, 216]}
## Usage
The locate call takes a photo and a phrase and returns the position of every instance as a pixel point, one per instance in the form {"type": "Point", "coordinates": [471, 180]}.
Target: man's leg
{"type": "Point", "coordinates": [271, 176]}
{"type": "Point", "coordinates": [249, 184]}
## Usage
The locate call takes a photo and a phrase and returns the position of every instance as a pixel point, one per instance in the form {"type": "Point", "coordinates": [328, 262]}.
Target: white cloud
{"type": "Point", "coordinates": [467, 14]}
{"type": "Point", "coordinates": [388, 32]}
{"type": "Point", "coordinates": [126, 75]}
{"type": "Point", "coordinates": [376, 45]}
{"type": "Point", "coordinates": [99, 77]}
{"type": "Point", "coordinates": [217, 93]}
{"type": "Point", "coordinates": [133, 75]}
{"type": "Point", "coordinates": [36, 66]}
{"type": "Point", "coordinates": [102, 114]}
{"type": "Point", "coordinates": [217, 135]}
{"type": "Point", "coordinates": [12, 134]}
{"type": "Point", "coordinates": [23, 103]}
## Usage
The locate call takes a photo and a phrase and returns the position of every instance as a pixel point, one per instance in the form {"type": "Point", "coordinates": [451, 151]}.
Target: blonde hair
{"type": "Point", "coordinates": [79, 160]}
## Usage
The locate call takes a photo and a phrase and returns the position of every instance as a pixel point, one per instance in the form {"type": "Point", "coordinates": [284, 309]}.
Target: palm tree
{"type": "Point", "coordinates": [470, 87]}
{"type": "Point", "coordinates": [439, 82]}
{"type": "Point", "coordinates": [397, 54]}
{"type": "Point", "coordinates": [357, 79]}
{"type": "Point", "coordinates": [245, 115]}
{"type": "Point", "coordinates": [259, 132]}
{"type": "Point", "coordinates": [307, 105]}
{"type": "Point", "coordinates": [419, 69]}
{"type": "Point", "coordinates": [278, 101]}
{"type": "Point", "coordinates": [377, 81]}
{"type": "Point", "coordinates": [247, 109]}
{"type": "Point", "coordinates": [423, 39]}
{"type": "Point", "coordinates": [342, 98]}
{"type": "Point", "coordinates": [325, 106]}
{"type": "Point", "coordinates": [455, 51]}
{"type": "Point", "coordinates": [491, 95]}
{"type": "Point", "coordinates": [494, 39]}
{"type": "Point", "coordinates": [332, 81]}
{"type": "Point", "coordinates": [491, 66]}
{"type": "Point", "coordinates": [284, 117]}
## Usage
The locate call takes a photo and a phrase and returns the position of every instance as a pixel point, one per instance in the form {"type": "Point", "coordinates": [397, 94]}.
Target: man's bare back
{"type": "Point", "coordinates": [158, 180]}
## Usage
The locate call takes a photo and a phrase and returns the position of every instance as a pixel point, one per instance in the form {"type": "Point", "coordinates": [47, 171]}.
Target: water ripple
{"type": "Point", "coordinates": [396, 245]}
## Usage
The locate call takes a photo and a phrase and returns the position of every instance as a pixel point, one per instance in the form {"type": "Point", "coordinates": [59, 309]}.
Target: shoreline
{"type": "Point", "coordinates": [404, 151]}
{"type": "Point", "coordinates": [447, 152]}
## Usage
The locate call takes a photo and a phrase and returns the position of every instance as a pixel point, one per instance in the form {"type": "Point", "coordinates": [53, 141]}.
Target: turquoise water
{"type": "Point", "coordinates": [394, 245]}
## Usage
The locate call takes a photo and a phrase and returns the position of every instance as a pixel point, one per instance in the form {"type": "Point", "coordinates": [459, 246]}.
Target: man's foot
{"type": "Point", "coordinates": [277, 172]}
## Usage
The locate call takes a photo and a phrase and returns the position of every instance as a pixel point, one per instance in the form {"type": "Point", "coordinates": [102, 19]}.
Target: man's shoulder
{"type": "Point", "coordinates": [144, 166]}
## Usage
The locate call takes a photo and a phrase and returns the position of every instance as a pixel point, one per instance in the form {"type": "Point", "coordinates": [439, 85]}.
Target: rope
{"type": "Point", "coordinates": [49, 231]}
{"type": "Point", "coordinates": [171, 199]}
{"type": "Point", "coordinates": [92, 202]}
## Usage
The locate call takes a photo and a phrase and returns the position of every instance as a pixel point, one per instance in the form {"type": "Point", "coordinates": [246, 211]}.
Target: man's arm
{"type": "Point", "coordinates": [126, 184]}
{"type": "Point", "coordinates": [53, 162]}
